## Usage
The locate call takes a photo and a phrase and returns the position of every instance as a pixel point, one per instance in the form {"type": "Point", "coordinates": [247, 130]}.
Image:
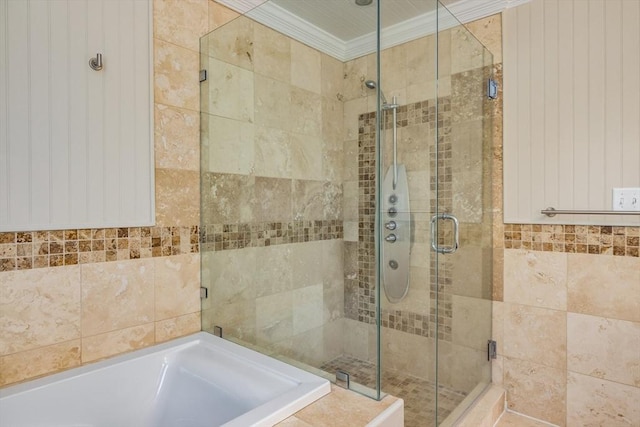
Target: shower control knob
{"type": "Point", "coordinates": [391, 238]}
{"type": "Point", "coordinates": [392, 211]}
{"type": "Point", "coordinates": [393, 199]}
{"type": "Point", "coordinates": [391, 225]}
{"type": "Point", "coordinates": [393, 264]}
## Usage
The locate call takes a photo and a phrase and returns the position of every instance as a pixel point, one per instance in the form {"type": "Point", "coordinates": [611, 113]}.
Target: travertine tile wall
{"type": "Point", "coordinates": [76, 296]}
{"type": "Point", "coordinates": [272, 192]}
{"type": "Point", "coordinates": [566, 313]}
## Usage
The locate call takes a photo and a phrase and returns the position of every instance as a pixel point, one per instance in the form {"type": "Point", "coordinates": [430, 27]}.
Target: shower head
{"type": "Point", "coordinates": [364, 2]}
{"type": "Point", "coordinates": [372, 85]}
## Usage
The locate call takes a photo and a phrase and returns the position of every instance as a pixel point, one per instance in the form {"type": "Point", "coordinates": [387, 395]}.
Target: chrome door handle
{"type": "Point", "coordinates": [456, 234]}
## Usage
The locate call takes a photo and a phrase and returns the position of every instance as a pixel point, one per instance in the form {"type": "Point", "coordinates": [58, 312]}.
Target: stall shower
{"type": "Point", "coordinates": [346, 230]}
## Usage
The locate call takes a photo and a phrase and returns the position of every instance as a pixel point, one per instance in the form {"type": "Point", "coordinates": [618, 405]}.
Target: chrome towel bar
{"type": "Point", "coordinates": [551, 212]}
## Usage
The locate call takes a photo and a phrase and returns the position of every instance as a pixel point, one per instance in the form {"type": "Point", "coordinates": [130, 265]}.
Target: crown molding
{"type": "Point", "coordinates": [299, 29]}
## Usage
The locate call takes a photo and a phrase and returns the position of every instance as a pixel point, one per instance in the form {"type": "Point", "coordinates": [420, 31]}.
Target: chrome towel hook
{"type": "Point", "coordinates": [96, 63]}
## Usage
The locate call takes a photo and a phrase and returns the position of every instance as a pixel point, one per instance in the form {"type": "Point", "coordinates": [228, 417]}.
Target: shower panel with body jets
{"type": "Point", "coordinates": [396, 216]}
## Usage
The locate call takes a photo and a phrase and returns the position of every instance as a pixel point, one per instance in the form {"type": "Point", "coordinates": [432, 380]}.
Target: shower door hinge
{"type": "Point", "coordinates": [492, 350]}
{"type": "Point", "coordinates": [204, 293]}
{"type": "Point", "coordinates": [342, 379]}
{"type": "Point", "coordinates": [203, 76]}
{"type": "Point", "coordinates": [492, 89]}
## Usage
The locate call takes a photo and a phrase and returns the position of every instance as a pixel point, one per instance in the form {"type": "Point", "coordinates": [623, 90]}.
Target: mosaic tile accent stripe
{"type": "Point", "coordinates": [409, 322]}
{"type": "Point", "coordinates": [407, 115]}
{"type": "Point", "coordinates": [585, 239]}
{"type": "Point", "coordinates": [40, 249]}
{"type": "Point", "coordinates": [221, 237]}
{"type": "Point", "coordinates": [366, 295]}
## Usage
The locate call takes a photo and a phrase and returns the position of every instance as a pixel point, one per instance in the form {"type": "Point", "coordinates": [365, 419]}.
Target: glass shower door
{"type": "Point", "coordinates": [462, 218]}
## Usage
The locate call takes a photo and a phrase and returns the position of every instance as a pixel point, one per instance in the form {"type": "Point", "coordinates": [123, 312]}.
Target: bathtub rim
{"type": "Point", "coordinates": [309, 386]}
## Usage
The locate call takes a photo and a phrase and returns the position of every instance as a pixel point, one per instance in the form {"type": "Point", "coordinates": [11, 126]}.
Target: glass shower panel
{"type": "Point", "coordinates": [408, 80]}
{"type": "Point", "coordinates": [279, 200]}
{"type": "Point", "coordinates": [464, 259]}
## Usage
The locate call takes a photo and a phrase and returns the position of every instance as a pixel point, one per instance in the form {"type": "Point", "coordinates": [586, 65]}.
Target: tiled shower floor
{"type": "Point", "coordinates": [418, 394]}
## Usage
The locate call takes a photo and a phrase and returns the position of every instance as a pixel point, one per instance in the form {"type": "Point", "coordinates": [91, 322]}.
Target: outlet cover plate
{"type": "Point", "coordinates": [626, 199]}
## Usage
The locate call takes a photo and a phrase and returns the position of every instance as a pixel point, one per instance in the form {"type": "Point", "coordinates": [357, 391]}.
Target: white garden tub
{"type": "Point", "coordinates": [199, 380]}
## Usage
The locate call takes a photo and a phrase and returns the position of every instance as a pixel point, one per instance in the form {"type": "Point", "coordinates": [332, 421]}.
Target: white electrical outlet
{"type": "Point", "coordinates": [626, 199]}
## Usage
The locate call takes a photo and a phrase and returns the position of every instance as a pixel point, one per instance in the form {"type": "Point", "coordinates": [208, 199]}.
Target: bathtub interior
{"type": "Point", "coordinates": [197, 381]}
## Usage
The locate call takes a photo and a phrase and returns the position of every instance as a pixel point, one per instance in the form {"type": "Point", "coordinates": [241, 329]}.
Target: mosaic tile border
{"type": "Point", "coordinates": [222, 237]}
{"type": "Point", "coordinates": [585, 239]}
{"type": "Point", "coordinates": [409, 322]}
{"type": "Point", "coordinates": [41, 249]}
{"type": "Point", "coordinates": [440, 320]}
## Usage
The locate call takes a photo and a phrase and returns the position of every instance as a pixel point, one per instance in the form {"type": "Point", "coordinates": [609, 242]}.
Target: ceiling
{"type": "Point", "coordinates": [344, 30]}
{"type": "Point", "coordinates": [347, 21]}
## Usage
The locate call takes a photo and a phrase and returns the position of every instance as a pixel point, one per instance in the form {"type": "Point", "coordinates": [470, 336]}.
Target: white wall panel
{"type": "Point", "coordinates": [75, 144]}
{"type": "Point", "coordinates": [571, 108]}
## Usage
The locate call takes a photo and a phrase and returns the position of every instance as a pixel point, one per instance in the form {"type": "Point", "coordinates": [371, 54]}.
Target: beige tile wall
{"type": "Point", "coordinates": [272, 155]}
{"type": "Point", "coordinates": [570, 323]}
{"type": "Point", "coordinates": [566, 318]}
{"type": "Point", "coordinates": [56, 318]}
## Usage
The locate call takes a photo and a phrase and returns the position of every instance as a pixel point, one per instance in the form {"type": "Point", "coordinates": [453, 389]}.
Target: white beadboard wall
{"type": "Point", "coordinates": [571, 108]}
{"type": "Point", "coordinates": [76, 148]}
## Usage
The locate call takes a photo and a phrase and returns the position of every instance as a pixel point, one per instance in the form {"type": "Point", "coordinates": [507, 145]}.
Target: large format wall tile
{"type": "Point", "coordinates": [177, 197]}
{"type": "Point", "coordinates": [117, 295]}
{"type": "Point", "coordinates": [592, 402]}
{"type": "Point", "coordinates": [220, 15]}
{"type": "Point", "coordinates": [177, 327]}
{"type": "Point", "coordinates": [227, 198]}
{"type": "Point", "coordinates": [536, 390]}
{"type": "Point", "coordinates": [604, 348]}
{"type": "Point", "coordinates": [313, 200]}
{"type": "Point", "coordinates": [307, 308]}
{"type": "Point", "coordinates": [604, 285]}
{"type": "Point", "coordinates": [535, 278]}
{"type": "Point", "coordinates": [272, 152]}
{"type": "Point", "coordinates": [230, 90]}
{"type": "Point", "coordinates": [180, 22]}
{"type": "Point", "coordinates": [231, 145]}
{"type": "Point", "coordinates": [307, 106]}
{"type": "Point", "coordinates": [272, 103]}
{"type": "Point", "coordinates": [176, 83]}
{"type": "Point", "coordinates": [177, 286]}
{"type": "Point", "coordinates": [229, 274]}
{"type": "Point", "coordinates": [233, 43]}
{"type": "Point", "coordinates": [116, 342]}
{"type": "Point", "coordinates": [39, 307]}
{"type": "Point", "coordinates": [273, 199]}
{"type": "Point", "coordinates": [273, 269]}
{"type": "Point", "coordinates": [272, 54]}
{"type": "Point", "coordinates": [306, 156]}
{"type": "Point", "coordinates": [177, 138]}
{"type": "Point", "coordinates": [471, 323]}
{"type": "Point", "coordinates": [39, 361]}
{"type": "Point", "coordinates": [535, 334]}
{"type": "Point", "coordinates": [307, 266]}
{"type": "Point", "coordinates": [306, 69]}
{"type": "Point", "coordinates": [274, 318]}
